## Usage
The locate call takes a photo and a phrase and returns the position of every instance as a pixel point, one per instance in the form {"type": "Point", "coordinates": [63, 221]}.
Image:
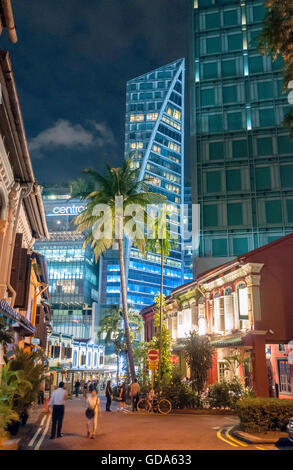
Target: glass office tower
{"type": "Point", "coordinates": [243, 157]}
{"type": "Point", "coordinates": [73, 274]}
{"type": "Point", "coordinates": [188, 261]}
{"type": "Point", "coordinates": [155, 139]}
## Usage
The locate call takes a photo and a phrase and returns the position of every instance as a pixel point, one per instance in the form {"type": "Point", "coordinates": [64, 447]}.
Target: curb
{"type": "Point", "coordinates": [252, 439]}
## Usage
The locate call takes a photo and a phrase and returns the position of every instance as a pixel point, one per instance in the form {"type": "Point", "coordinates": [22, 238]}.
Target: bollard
{"type": "Point", "coordinates": [46, 404]}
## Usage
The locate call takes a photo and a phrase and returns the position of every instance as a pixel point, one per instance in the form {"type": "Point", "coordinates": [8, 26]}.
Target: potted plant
{"type": "Point", "coordinates": [8, 389]}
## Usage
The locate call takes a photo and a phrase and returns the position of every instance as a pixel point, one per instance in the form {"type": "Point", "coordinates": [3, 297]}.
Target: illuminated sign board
{"type": "Point", "coordinates": [66, 210]}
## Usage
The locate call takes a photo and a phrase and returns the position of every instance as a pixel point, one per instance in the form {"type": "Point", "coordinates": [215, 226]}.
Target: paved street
{"type": "Point", "coordinates": [131, 431]}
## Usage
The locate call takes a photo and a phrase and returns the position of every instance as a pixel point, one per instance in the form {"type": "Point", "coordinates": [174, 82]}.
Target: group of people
{"type": "Point", "coordinates": [86, 386]}
{"type": "Point", "coordinates": [92, 402]}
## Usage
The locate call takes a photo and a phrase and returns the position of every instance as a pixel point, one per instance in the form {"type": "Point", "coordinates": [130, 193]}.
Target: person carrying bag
{"type": "Point", "coordinates": [91, 413]}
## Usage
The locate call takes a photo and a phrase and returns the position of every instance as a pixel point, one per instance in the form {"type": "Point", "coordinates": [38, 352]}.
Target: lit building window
{"type": "Point", "coordinates": [174, 147]}
{"type": "Point", "coordinates": [156, 149]}
{"type": "Point", "coordinates": [171, 123]}
{"type": "Point", "coordinates": [136, 117]}
{"type": "Point", "coordinates": [152, 116]}
{"type": "Point", "coordinates": [136, 145]}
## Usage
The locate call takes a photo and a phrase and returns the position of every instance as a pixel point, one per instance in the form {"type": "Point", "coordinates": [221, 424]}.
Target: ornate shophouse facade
{"type": "Point", "coordinates": [245, 307]}
{"type": "Point", "coordinates": [23, 278]}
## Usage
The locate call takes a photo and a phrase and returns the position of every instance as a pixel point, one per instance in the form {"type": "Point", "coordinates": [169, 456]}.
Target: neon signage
{"type": "Point", "coordinates": [67, 210]}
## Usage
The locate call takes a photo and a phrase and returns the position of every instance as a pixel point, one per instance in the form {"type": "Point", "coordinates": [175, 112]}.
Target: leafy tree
{"type": "Point", "coordinates": [162, 339]}
{"type": "Point", "coordinates": [122, 183]}
{"type": "Point", "coordinates": [112, 326]}
{"type": "Point", "coordinates": [198, 354]}
{"type": "Point", "coordinates": [161, 243]}
{"type": "Point", "coordinates": [276, 39]}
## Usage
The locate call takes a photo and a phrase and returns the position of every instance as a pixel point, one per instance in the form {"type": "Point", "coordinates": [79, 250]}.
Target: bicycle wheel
{"type": "Point", "coordinates": [164, 406]}
{"type": "Point", "coordinates": [141, 405]}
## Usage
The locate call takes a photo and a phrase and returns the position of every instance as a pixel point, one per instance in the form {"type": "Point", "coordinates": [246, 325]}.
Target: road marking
{"type": "Point", "coordinates": [219, 435]}
{"type": "Point", "coordinates": [260, 448]}
{"type": "Point", "coordinates": [216, 427]}
{"type": "Point", "coordinates": [227, 432]}
{"type": "Point", "coordinates": [38, 445]}
{"type": "Point", "coordinates": [31, 443]}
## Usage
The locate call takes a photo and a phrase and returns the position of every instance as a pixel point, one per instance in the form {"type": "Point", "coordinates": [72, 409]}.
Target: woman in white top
{"type": "Point", "coordinates": [92, 403]}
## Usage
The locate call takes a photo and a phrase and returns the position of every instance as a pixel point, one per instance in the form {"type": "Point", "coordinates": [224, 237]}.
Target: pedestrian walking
{"type": "Point", "coordinates": [77, 387]}
{"type": "Point", "coordinates": [41, 393]}
{"type": "Point", "coordinates": [134, 392]}
{"type": "Point", "coordinates": [93, 409]}
{"type": "Point", "coordinates": [57, 399]}
{"type": "Point", "coordinates": [123, 394]}
{"type": "Point", "coordinates": [109, 395]}
{"type": "Point", "coordinates": [85, 390]}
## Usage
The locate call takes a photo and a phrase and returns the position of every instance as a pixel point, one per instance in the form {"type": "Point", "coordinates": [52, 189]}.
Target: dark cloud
{"type": "Point", "coordinates": [71, 65]}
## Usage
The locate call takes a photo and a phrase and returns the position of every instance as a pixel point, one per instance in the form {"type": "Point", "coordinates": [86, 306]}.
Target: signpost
{"type": "Point", "coordinates": [153, 358]}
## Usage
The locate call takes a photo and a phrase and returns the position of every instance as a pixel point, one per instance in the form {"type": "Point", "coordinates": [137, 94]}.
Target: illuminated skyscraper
{"type": "Point", "coordinates": [243, 157]}
{"type": "Point", "coordinates": [155, 139]}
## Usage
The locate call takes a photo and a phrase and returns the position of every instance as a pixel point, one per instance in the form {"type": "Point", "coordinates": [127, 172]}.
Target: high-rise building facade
{"type": "Point", "coordinates": [73, 274]}
{"type": "Point", "coordinates": [243, 157]}
{"type": "Point", "coordinates": [188, 259]}
{"type": "Point", "coordinates": [155, 140]}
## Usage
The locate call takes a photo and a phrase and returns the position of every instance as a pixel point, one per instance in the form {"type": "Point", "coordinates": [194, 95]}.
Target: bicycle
{"type": "Point", "coordinates": [157, 405]}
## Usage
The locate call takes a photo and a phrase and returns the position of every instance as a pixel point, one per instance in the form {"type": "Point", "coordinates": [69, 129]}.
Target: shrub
{"type": "Point", "coordinates": [179, 393]}
{"type": "Point", "coordinates": [264, 414]}
{"type": "Point", "coordinates": [225, 394]}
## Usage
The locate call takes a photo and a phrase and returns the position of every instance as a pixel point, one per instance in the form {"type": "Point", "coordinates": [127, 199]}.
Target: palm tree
{"type": "Point", "coordinates": [122, 183]}
{"type": "Point", "coordinates": [161, 243]}
{"type": "Point", "coordinates": [114, 331]}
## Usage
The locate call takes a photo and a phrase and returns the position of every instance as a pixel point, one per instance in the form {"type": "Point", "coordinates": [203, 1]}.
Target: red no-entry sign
{"type": "Point", "coordinates": [153, 355]}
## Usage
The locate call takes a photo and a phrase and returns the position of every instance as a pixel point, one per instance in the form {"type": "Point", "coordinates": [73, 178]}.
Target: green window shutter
{"type": "Point", "coordinates": [240, 246]}
{"type": "Point", "coordinates": [233, 178]}
{"type": "Point", "coordinates": [265, 90]}
{"type": "Point", "coordinates": [210, 215]}
{"type": "Point", "coordinates": [219, 246]}
{"type": "Point", "coordinates": [267, 117]}
{"type": "Point", "coordinates": [215, 122]}
{"type": "Point", "coordinates": [235, 42]}
{"type": "Point", "coordinates": [208, 97]}
{"type": "Point", "coordinates": [265, 146]}
{"type": "Point", "coordinates": [210, 70]}
{"type": "Point", "coordinates": [256, 64]}
{"type": "Point", "coordinates": [234, 212]}
{"type": "Point", "coordinates": [213, 45]}
{"type": "Point", "coordinates": [285, 145]}
{"type": "Point", "coordinates": [289, 204]}
{"type": "Point", "coordinates": [273, 212]}
{"type": "Point", "coordinates": [263, 178]}
{"type": "Point", "coordinates": [230, 94]}
{"type": "Point", "coordinates": [235, 121]}
{"type": "Point", "coordinates": [230, 18]}
{"type": "Point", "coordinates": [216, 150]}
{"type": "Point", "coordinates": [286, 172]}
{"type": "Point", "coordinates": [213, 20]}
{"type": "Point", "coordinates": [239, 148]}
{"type": "Point", "coordinates": [229, 68]}
{"type": "Point", "coordinates": [213, 179]}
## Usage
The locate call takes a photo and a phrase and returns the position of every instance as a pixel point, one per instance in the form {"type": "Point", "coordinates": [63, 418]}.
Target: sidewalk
{"type": "Point", "coordinates": [25, 433]}
{"type": "Point", "coordinates": [259, 438]}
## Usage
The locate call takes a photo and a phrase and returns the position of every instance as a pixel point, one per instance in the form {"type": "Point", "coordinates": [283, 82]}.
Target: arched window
{"type": "Point", "coordinates": [228, 291]}
{"type": "Point", "coordinates": [95, 359]}
{"type": "Point", "coordinates": [89, 359]}
{"type": "Point", "coordinates": [242, 299]}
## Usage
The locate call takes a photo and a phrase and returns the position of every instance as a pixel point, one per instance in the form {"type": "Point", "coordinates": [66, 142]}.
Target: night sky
{"type": "Point", "coordinates": [71, 64]}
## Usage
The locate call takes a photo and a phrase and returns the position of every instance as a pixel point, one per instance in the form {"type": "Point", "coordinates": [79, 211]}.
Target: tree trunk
{"type": "Point", "coordinates": [161, 314]}
{"type": "Point", "coordinates": [125, 310]}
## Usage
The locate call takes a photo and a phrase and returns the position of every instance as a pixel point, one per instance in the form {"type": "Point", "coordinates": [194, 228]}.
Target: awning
{"type": "Point", "coordinates": [26, 328]}
{"type": "Point", "coordinates": [228, 342]}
